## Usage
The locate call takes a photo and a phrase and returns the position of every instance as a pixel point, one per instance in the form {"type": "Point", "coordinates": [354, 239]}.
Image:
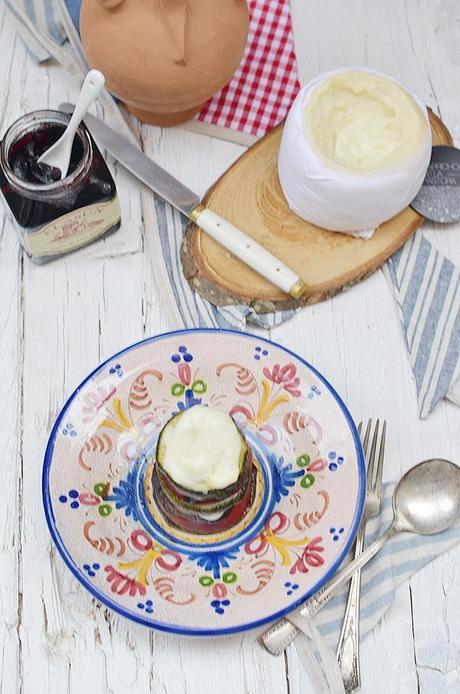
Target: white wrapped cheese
{"type": "Point", "coordinates": [355, 150]}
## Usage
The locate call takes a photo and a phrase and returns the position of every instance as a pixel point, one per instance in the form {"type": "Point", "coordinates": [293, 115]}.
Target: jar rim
{"type": "Point", "coordinates": [28, 123]}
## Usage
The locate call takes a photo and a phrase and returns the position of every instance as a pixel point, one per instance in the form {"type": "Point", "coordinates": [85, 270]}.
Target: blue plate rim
{"type": "Point", "coordinates": [172, 628]}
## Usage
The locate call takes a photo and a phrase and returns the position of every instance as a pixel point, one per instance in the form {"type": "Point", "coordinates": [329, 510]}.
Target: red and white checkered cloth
{"type": "Point", "coordinates": [261, 92]}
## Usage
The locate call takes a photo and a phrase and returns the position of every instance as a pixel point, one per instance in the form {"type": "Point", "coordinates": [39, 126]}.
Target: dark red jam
{"type": "Point", "coordinates": [96, 185]}
{"type": "Point", "coordinates": [55, 216]}
{"type": "Point", "coordinates": [25, 152]}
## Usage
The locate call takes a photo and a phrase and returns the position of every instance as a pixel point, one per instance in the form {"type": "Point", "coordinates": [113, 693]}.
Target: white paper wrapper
{"type": "Point", "coordinates": [341, 200]}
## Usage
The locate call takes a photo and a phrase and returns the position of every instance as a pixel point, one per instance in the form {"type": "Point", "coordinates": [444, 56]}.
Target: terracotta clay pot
{"type": "Point", "coordinates": [164, 58]}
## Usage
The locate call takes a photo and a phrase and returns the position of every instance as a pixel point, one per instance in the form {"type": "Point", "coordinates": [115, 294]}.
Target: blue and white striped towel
{"type": "Point", "coordinates": [44, 17]}
{"type": "Point", "coordinates": [400, 558]}
{"type": "Point", "coordinates": [426, 289]}
{"type": "Point", "coordinates": [425, 284]}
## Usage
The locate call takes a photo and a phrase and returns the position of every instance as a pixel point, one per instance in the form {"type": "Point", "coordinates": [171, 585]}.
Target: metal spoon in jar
{"type": "Point", "coordinates": [58, 155]}
{"type": "Point", "coordinates": [426, 501]}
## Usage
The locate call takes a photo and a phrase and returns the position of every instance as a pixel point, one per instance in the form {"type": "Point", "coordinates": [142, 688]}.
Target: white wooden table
{"type": "Point", "coordinates": [57, 322]}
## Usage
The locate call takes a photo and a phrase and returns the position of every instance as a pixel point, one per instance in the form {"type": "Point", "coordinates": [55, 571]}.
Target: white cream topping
{"type": "Point", "coordinates": [201, 449]}
{"type": "Point", "coordinates": [355, 150]}
{"type": "Point", "coordinates": [363, 121]}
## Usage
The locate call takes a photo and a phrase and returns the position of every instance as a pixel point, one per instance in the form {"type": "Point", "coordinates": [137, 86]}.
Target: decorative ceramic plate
{"type": "Point", "coordinates": [308, 498]}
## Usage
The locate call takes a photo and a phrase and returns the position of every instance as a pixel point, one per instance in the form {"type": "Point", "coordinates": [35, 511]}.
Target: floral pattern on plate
{"type": "Point", "coordinates": [308, 498]}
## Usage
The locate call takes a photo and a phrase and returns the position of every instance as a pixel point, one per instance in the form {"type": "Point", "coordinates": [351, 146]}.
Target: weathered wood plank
{"type": "Point", "coordinates": [10, 458]}
{"type": "Point", "coordinates": [53, 637]}
{"type": "Point", "coordinates": [357, 338]}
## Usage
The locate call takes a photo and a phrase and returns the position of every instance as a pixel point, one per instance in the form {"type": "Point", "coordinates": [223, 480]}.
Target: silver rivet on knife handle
{"type": "Point", "coordinates": [249, 251]}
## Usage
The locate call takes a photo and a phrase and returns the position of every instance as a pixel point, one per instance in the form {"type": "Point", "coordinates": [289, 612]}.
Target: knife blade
{"type": "Point", "coordinates": [186, 201]}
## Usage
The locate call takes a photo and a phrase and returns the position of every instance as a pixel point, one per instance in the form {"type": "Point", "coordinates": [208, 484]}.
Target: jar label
{"type": "Point", "coordinates": [73, 230]}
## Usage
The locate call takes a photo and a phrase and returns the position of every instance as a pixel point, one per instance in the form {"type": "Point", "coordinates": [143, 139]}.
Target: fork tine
{"type": "Point", "coordinates": [360, 426]}
{"type": "Point", "coordinates": [378, 474]}
{"type": "Point", "coordinates": [372, 456]}
{"type": "Point", "coordinates": [366, 437]}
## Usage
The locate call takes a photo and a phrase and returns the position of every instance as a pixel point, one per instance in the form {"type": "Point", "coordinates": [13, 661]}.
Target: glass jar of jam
{"type": "Point", "coordinates": [55, 216]}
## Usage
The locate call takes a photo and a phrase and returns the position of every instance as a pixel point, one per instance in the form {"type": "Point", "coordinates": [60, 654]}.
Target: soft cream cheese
{"type": "Point", "coordinates": [363, 121]}
{"type": "Point", "coordinates": [201, 449]}
{"type": "Point", "coordinates": [355, 149]}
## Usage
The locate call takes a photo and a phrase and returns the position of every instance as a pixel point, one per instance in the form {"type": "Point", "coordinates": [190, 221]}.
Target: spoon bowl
{"type": "Point", "coordinates": [427, 499]}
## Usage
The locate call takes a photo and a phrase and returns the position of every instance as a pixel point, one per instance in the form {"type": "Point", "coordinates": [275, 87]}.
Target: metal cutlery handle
{"type": "Point", "coordinates": [249, 251]}
{"type": "Point", "coordinates": [348, 648]}
{"type": "Point", "coordinates": [277, 638]}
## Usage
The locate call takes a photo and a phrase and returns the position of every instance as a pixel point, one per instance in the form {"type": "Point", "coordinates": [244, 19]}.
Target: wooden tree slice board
{"type": "Point", "coordinates": [249, 195]}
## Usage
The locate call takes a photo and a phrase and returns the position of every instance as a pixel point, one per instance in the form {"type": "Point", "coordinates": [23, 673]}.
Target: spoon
{"type": "Point", "coordinates": [58, 155]}
{"type": "Point", "coordinates": [426, 501]}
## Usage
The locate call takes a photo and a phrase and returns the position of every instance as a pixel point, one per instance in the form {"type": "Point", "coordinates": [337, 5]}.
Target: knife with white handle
{"type": "Point", "coordinates": [170, 189]}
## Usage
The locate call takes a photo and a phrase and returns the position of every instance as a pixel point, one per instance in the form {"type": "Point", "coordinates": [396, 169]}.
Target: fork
{"type": "Point", "coordinates": [278, 637]}
{"type": "Point", "coordinates": [348, 648]}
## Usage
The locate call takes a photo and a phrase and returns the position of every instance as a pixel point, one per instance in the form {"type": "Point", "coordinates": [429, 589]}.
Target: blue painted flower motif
{"type": "Point", "coordinates": [124, 496]}
{"type": "Point", "coordinates": [259, 352]}
{"type": "Point", "coordinates": [219, 605]}
{"type": "Point", "coordinates": [69, 430]}
{"type": "Point", "coordinates": [283, 476]}
{"type": "Point", "coordinates": [146, 606]}
{"type": "Point", "coordinates": [182, 354]}
{"type": "Point", "coordinates": [336, 533]}
{"type": "Point", "coordinates": [91, 569]}
{"type": "Point", "coordinates": [314, 390]}
{"type": "Point", "coordinates": [335, 460]}
{"type": "Point", "coordinates": [214, 561]}
{"type": "Point", "coordinates": [290, 587]}
{"type": "Point", "coordinates": [72, 495]}
{"type": "Point", "coordinates": [116, 370]}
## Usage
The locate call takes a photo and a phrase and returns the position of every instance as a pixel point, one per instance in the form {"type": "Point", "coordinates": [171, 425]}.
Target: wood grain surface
{"type": "Point", "coordinates": [249, 195]}
{"type": "Point", "coordinates": [58, 322]}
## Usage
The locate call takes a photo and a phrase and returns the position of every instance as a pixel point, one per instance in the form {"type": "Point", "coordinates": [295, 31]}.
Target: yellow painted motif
{"type": "Point", "coordinates": [142, 565]}
{"type": "Point", "coordinates": [123, 424]}
{"type": "Point", "coordinates": [266, 407]}
{"type": "Point", "coordinates": [280, 544]}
